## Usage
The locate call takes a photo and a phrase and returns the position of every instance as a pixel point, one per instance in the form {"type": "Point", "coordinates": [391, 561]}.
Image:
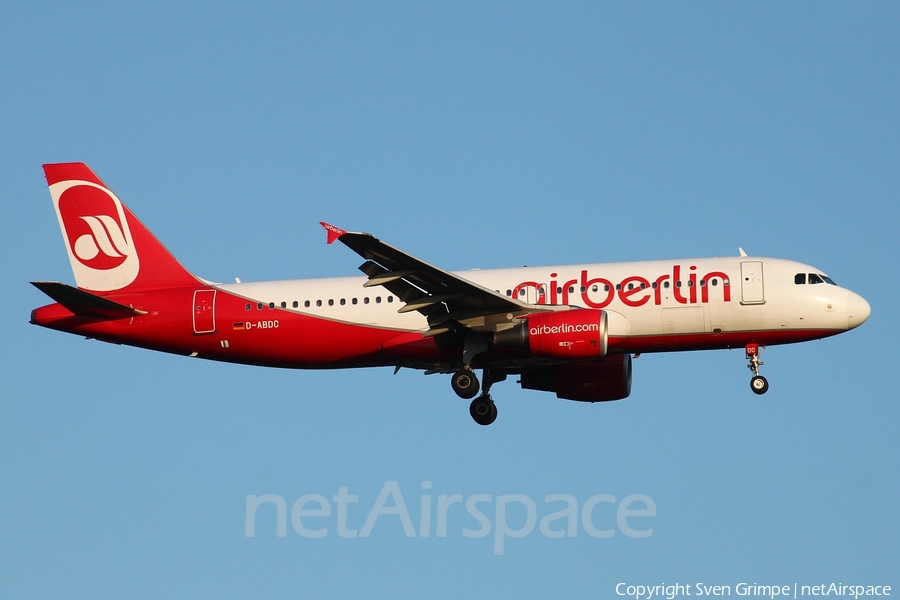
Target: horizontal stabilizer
{"type": "Point", "coordinates": [85, 304]}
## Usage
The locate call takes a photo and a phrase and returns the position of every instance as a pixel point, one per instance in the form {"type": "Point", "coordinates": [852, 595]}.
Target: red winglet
{"type": "Point", "coordinates": [333, 232]}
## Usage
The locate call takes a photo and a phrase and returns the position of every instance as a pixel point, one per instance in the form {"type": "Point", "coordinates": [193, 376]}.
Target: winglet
{"type": "Point", "coordinates": [333, 232]}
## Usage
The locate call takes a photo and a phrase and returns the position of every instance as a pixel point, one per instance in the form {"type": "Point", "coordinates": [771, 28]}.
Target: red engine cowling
{"type": "Point", "coordinates": [592, 381]}
{"type": "Point", "coordinates": [568, 335]}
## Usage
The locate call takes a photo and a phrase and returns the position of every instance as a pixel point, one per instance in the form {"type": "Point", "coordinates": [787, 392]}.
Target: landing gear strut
{"type": "Point", "coordinates": [758, 383]}
{"type": "Point", "coordinates": [464, 381]}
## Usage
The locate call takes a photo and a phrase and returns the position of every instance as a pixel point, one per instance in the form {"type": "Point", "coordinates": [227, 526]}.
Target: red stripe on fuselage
{"type": "Point", "coordinates": [678, 342]}
{"type": "Point", "coordinates": [279, 337]}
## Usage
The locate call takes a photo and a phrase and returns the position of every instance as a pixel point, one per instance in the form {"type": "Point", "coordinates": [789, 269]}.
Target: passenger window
{"type": "Point", "coordinates": [377, 299]}
{"type": "Point", "coordinates": [343, 302]}
{"type": "Point", "coordinates": [366, 300]}
{"type": "Point", "coordinates": [330, 302]}
{"type": "Point", "coordinates": [284, 305]}
{"type": "Point", "coordinates": [259, 306]}
{"type": "Point", "coordinates": [247, 306]}
{"type": "Point", "coordinates": [318, 303]}
{"type": "Point", "coordinates": [306, 304]}
{"type": "Point", "coordinates": [800, 278]}
{"type": "Point", "coordinates": [509, 293]}
{"type": "Point", "coordinates": [390, 298]}
{"type": "Point", "coordinates": [295, 304]}
{"type": "Point", "coordinates": [353, 301]}
{"type": "Point", "coordinates": [271, 305]}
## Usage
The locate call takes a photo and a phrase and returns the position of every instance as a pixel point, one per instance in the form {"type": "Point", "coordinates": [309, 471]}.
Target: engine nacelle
{"type": "Point", "coordinates": [592, 381]}
{"type": "Point", "coordinates": [569, 335]}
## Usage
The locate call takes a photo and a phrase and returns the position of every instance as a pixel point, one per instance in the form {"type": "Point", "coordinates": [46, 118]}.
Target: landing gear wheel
{"type": "Point", "coordinates": [465, 384]}
{"type": "Point", "coordinates": [759, 385]}
{"type": "Point", "coordinates": [483, 410]}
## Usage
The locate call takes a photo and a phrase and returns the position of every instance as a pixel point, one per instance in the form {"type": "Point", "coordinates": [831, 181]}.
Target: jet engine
{"type": "Point", "coordinates": [569, 335]}
{"type": "Point", "coordinates": [599, 380]}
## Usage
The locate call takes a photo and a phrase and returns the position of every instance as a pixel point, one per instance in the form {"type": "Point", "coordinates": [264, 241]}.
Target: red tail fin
{"type": "Point", "coordinates": [109, 248]}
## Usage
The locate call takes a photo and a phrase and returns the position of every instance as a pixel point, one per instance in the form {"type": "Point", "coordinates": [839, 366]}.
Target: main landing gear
{"type": "Point", "coordinates": [483, 410]}
{"type": "Point", "coordinates": [758, 383]}
{"type": "Point", "coordinates": [465, 384]}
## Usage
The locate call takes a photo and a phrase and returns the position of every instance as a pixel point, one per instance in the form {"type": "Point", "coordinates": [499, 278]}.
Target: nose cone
{"type": "Point", "coordinates": [858, 310]}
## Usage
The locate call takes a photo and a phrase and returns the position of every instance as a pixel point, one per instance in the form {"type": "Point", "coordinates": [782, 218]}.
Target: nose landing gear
{"type": "Point", "coordinates": [758, 383]}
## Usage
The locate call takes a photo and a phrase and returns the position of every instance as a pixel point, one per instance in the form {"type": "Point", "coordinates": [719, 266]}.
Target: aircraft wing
{"type": "Point", "coordinates": [445, 299]}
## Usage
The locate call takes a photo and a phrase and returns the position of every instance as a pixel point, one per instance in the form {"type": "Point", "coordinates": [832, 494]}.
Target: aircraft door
{"type": "Point", "coordinates": [205, 311]}
{"type": "Point", "coordinates": [752, 290]}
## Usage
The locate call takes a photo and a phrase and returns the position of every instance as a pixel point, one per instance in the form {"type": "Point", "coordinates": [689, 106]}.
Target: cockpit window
{"type": "Point", "coordinates": [802, 278]}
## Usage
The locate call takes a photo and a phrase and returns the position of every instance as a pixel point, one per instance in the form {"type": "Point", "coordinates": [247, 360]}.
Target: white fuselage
{"type": "Point", "coordinates": [651, 298]}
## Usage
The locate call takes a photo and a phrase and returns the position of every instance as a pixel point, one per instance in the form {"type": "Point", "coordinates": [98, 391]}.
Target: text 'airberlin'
{"type": "Point", "coordinates": [634, 290]}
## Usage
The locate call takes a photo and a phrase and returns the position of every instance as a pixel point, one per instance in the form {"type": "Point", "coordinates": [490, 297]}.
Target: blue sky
{"type": "Point", "coordinates": [471, 135]}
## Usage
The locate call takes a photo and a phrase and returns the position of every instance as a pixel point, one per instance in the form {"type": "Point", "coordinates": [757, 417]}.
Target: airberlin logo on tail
{"type": "Point", "coordinates": [97, 236]}
{"type": "Point", "coordinates": [105, 237]}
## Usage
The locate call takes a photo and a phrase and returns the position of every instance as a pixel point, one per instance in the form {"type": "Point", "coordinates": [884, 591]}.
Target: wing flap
{"type": "Point", "coordinates": [388, 277]}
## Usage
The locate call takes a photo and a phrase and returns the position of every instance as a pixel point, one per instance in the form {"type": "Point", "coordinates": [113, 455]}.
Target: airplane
{"type": "Point", "coordinates": [571, 330]}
